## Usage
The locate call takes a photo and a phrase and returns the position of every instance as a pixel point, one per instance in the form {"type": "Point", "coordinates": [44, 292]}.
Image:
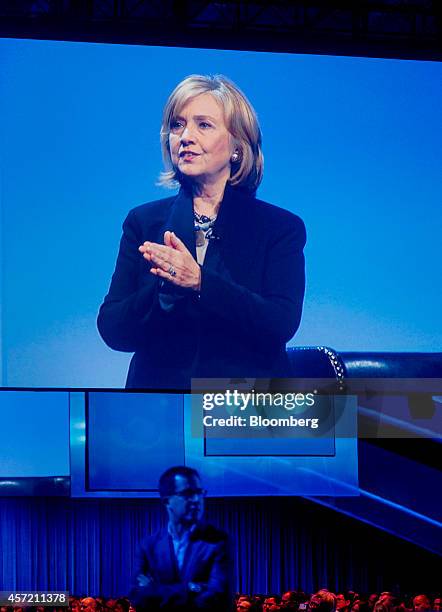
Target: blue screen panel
{"type": "Point", "coordinates": [35, 434]}
{"type": "Point", "coordinates": [132, 439]}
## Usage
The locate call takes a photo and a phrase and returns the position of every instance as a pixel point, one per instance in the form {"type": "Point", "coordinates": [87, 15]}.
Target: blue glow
{"type": "Point", "coordinates": [382, 500]}
{"type": "Point", "coordinates": [322, 502]}
{"type": "Point", "coordinates": [392, 504]}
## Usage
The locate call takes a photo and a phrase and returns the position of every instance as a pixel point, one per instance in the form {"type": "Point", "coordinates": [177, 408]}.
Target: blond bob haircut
{"type": "Point", "coordinates": [241, 121]}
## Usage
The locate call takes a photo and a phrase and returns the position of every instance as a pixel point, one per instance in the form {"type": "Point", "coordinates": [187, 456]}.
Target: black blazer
{"type": "Point", "coordinates": [252, 290]}
{"type": "Point", "coordinates": [207, 563]}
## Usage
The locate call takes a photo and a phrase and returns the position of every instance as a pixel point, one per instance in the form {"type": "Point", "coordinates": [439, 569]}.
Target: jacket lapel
{"type": "Point", "coordinates": [180, 220]}
{"type": "Point", "coordinates": [191, 555]}
{"type": "Point", "coordinates": [167, 558]}
{"type": "Point", "coordinates": [231, 227]}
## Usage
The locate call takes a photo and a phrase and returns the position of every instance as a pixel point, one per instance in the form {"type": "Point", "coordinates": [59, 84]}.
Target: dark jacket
{"type": "Point", "coordinates": [207, 564]}
{"type": "Point", "coordinates": [252, 290]}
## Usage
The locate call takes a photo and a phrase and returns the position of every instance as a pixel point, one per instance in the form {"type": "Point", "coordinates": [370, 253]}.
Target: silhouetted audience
{"type": "Point", "coordinates": [323, 600]}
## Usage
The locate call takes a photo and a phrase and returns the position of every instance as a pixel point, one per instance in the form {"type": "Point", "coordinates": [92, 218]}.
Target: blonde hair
{"type": "Point", "coordinates": [241, 122]}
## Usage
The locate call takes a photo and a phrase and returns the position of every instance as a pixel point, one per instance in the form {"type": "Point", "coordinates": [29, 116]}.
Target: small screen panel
{"type": "Point", "coordinates": [132, 438]}
{"type": "Point", "coordinates": [35, 434]}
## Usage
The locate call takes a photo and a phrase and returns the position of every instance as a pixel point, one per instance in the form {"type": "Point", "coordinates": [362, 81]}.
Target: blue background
{"type": "Point", "coordinates": [352, 145]}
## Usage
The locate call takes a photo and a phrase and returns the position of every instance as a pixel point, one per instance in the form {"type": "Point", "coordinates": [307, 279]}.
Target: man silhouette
{"type": "Point", "coordinates": [186, 566]}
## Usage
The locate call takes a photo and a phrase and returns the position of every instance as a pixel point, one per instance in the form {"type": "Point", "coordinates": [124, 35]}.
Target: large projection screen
{"type": "Point", "coordinates": [352, 145]}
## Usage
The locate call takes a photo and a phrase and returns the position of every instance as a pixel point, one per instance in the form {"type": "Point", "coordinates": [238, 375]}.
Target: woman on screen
{"type": "Point", "coordinates": [208, 283]}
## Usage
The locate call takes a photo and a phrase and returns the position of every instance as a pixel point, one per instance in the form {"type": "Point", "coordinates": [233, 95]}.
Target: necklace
{"type": "Point", "coordinates": [203, 227]}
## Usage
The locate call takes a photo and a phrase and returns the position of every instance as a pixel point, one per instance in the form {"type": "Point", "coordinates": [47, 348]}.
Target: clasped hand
{"type": "Point", "coordinates": [144, 580]}
{"type": "Point", "coordinates": [173, 262]}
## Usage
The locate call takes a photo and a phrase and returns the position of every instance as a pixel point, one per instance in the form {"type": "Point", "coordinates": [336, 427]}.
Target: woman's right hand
{"type": "Point", "coordinates": [173, 261]}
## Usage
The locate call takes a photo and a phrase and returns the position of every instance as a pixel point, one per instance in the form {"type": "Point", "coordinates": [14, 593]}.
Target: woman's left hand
{"type": "Point", "coordinates": [173, 262]}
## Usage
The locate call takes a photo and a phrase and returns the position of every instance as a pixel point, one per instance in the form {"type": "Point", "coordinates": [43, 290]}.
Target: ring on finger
{"type": "Point", "coordinates": [172, 271]}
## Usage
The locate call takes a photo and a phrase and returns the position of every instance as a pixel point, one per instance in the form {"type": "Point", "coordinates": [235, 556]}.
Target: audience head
{"type": "Point", "coordinates": [271, 604]}
{"type": "Point", "coordinates": [322, 601]}
{"type": "Point", "coordinates": [437, 604]}
{"type": "Point", "coordinates": [122, 605]}
{"type": "Point", "coordinates": [74, 604]}
{"type": "Point", "coordinates": [89, 604]}
{"type": "Point", "coordinates": [289, 600]}
{"type": "Point", "coordinates": [360, 605]}
{"type": "Point", "coordinates": [421, 603]}
{"type": "Point", "coordinates": [384, 604]}
{"type": "Point", "coordinates": [244, 605]}
{"type": "Point", "coordinates": [343, 601]}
